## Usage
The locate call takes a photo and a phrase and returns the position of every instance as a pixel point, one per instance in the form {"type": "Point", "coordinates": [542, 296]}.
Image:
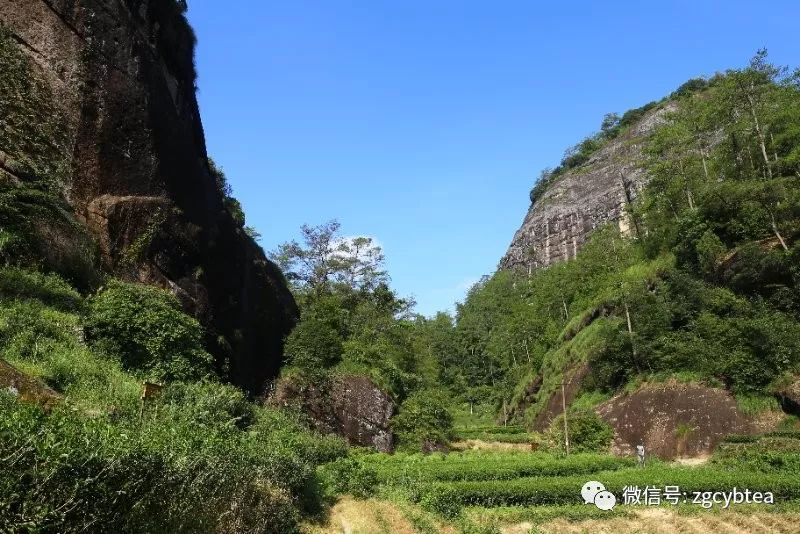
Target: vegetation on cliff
{"type": "Point", "coordinates": [197, 457]}
{"type": "Point", "coordinates": [706, 286]}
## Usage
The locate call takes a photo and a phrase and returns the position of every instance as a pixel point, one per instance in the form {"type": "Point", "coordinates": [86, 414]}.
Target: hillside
{"type": "Point", "coordinates": [671, 241]}
{"type": "Point", "coordinates": [103, 168]}
{"type": "Point", "coordinates": [580, 196]}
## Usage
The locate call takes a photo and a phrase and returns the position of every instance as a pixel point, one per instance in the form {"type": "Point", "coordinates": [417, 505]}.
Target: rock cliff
{"type": "Point", "coordinates": [576, 202]}
{"type": "Point", "coordinates": [100, 103]}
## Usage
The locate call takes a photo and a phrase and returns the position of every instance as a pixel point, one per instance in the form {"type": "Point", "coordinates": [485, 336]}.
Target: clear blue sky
{"type": "Point", "coordinates": [424, 123]}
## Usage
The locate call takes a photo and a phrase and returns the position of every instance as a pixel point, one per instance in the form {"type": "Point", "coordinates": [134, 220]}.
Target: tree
{"type": "Point", "coordinates": [748, 100]}
{"type": "Point", "coordinates": [325, 257]}
{"type": "Point", "coordinates": [610, 120]}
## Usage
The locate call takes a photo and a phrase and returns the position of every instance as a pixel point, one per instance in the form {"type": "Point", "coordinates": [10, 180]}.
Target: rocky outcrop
{"type": "Point", "coordinates": [26, 388]}
{"type": "Point", "coordinates": [575, 203]}
{"type": "Point", "coordinates": [553, 404]}
{"type": "Point", "coordinates": [350, 406]}
{"type": "Point", "coordinates": [789, 396]}
{"type": "Point", "coordinates": [102, 107]}
{"type": "Point", "coordinates": [676, 419]}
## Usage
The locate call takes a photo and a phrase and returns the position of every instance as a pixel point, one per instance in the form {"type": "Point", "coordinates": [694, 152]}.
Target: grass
{"type": "Point", "coordinates": [757, 404]}
{"type": "Point", "coordinates": [481, 491]}
{"type": "Point", "coordinates": [201, 458]}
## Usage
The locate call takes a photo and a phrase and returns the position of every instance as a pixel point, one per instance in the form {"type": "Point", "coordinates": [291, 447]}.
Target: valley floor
{"type": "Point", "coordinates": [352, 516]}
{"type": "Point", "coordinates": [492, 487]}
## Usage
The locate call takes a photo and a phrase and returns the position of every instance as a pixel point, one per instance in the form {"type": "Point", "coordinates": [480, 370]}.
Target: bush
{"type": "Point", "coordinates": [48, 288]}
{"type": "Point", "coordinates": [412, 469]}
{"type": "Point", "coordinates": [313, 345]}
{"type": "Point", "coordinates": [187, 466]}
{"type": "Point", "coordinates": [349, 476]}
{"type": "Point", "coordinates": [424, 420]}
{"type": "Point", "coordinates": [146, 330]}
{"type": "Point", "coordinates": [587, 433]}
{"type": "Point", "coordinates": [442, 500]}
{"type": "Point", "coordinates": [565, 490]}
{"type": "Point", "coordinates": [62, 472]}
{"type": "Point", "coordinates": [209, 403]}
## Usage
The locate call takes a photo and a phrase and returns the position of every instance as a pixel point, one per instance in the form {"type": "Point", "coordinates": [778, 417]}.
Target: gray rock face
{"type": "Point", "coordinates": [350, 406]}
{"type": "Point", "coordinates": [560, 220]}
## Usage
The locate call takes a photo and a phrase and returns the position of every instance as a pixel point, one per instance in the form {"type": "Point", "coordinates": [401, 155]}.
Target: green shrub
{"type": "Point", "coordinates": [768, 454]}
{"type": "Point", "coordinates": [208, 403]}
{"type": "Point", "coordinates": [349, 476]}
{"type": "Point", "coordinates": [46, 342]}
{"type": "Point", "coordinates": [313, 345]}
{"type": "Point", "coordinates": [191, 464]}
{"type": "Point", "coordinates": [146, 330]}
{"type": "Point", "coordinates": [63, 472]}
{"type": "Point", "coordinates": [442, 500]}
{"type": "Point", "coordinates": [587, 433]}
{"type": "Point", "coordinates": [50, 289]}
{"type": "Point", "coordinates": [412, 469]}
{"type": "Point", "coordinates": [424, 420]}
{"type": "Point", "coordinates": [566, 490]}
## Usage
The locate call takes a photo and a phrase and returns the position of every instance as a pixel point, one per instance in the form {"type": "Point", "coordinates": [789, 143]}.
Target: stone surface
{"type": "Point", "coordinates": [26, 388]}
{"type": "Point", "coordinates": [350, 406]}
{"type": "Point", "coordinates": [553, 406]}
{"type": "Point", "coordinates": [560, 220]}
{"type": "Point", "coordinates": [121, 77]}
{"type": "Point", "coordinates": [676, 419]}
{"type": "Point", "coordinates": [789, 396]}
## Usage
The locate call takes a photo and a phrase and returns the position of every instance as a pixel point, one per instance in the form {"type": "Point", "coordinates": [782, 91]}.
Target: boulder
{"type": "Point", "coordinates": [350, 406]}
{"type": "Point", "coordinates": [675, 419]}
{"type": "Point", "coordinates": [26, 388]}
{"type": "Point", "coordinates": [789, 396]}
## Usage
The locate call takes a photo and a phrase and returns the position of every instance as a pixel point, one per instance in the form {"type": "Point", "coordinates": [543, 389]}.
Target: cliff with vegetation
{"type": "Point", "coordinates": [594, 184]}
{"type": "Point", "coordinates": [654, 281]}
{"type": "Point", "coordinates": [103, 167]}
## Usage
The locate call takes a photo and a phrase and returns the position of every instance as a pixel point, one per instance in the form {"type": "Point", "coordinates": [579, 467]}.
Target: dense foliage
{"type": "Point", "coordinates": [199, 457]}
{"type": "Point", "coordinates": [146, 330]}
{"type": "Point", "coordinates": [707, 285]}
{"type": "Point", "coordinates": [352, 323]}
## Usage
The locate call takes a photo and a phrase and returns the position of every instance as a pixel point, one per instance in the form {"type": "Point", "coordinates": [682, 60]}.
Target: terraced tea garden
{"type": "Point", "coordinates": [522, 491]}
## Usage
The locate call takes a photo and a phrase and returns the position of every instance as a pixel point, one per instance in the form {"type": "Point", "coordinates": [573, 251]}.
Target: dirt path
{"type": "Point", "coordinates": [659, 520]}
{"type": "Point", "coordinates": [351, 516]}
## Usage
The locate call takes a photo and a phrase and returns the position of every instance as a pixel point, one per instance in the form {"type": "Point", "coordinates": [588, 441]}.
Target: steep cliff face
{"type": "Point", "coordinates": [104, 108]}
{"type": "Point", "coordinates": [559, 221]}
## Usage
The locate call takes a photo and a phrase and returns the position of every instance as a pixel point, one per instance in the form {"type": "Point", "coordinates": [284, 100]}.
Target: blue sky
{"type": "Point", "coordinates": [424, 123]}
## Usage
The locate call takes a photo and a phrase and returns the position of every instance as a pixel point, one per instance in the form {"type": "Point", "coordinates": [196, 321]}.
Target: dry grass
{"type": "Point", "coordinates": [351, 516]}
{"type": "Point", "coordinates": [658, 520]}
{"type": "Point", "coordinates": [480, 445]}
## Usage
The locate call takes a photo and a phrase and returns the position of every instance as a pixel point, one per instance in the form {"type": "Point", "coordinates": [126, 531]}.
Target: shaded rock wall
{"type": "Point", "coordinates": [350, 406]}
{"type": "Point", "coordinates": [676, 419]}
{"type": "Point", "coordinates": [120, 77]}
{"type": "Point", "coordinates": [553, 406]}
{"type": "Point", "coordinates": [560, 220]}
{"type": "Point", "coordinates": [789, 396]}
